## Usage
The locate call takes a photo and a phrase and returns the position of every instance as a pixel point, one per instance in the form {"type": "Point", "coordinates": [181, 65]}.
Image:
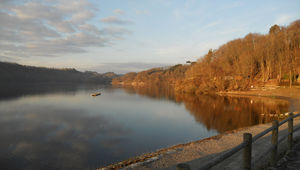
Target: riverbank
{"type": "Point", "coordinates": [203, 150]}
{"type": "Point", "coordinates": [292, 95]}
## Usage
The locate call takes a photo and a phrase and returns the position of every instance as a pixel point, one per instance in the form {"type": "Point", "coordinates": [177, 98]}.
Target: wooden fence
{"type": "Point", "coordinates": [246, 145]}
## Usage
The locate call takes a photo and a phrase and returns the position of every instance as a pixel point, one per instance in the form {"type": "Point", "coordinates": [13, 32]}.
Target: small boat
{"type": "Point", "coordinates": [96, 94]}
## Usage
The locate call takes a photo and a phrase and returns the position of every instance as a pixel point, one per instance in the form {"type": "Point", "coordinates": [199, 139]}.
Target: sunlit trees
{"type": "Point", "coordinates": [255, 60]}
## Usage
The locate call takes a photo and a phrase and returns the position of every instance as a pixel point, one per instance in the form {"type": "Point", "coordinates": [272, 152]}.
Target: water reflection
{"type": "Point", "coordinates": [221, 113]}
{"type": "Point", "coordinates": [63, 127]}
{"type": "Point", "coordinates": [53, 138]}
{"type": "Point", "coordinates": [225, 113]}
{"type": "Point", "coordinates": [13, 90]}
{"type": "Point", "coordinates": [154, 92]}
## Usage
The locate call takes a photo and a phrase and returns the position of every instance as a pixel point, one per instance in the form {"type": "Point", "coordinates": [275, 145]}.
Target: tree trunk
{"type": "Point", "coordinates": [290, 78]}
{"type": "Point", "coordinates": [280, 74]}
{"type": "Point", "coordinates": [263, 71]}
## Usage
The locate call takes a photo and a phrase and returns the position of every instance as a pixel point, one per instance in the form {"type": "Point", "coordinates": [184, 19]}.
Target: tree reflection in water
{"type": "Point", "coordinates": [221, 113]}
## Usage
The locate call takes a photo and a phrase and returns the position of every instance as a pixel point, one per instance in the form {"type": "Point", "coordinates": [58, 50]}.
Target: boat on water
{"type": "Point", "coordinates": [96, 94]}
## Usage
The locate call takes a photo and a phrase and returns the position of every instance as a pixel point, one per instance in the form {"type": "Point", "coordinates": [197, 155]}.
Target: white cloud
{"type": "Point", "coordinates": [122, 68]}
{"type": "Point", "coordinates": [89, 28]}
{"type": "Point", "coordinates": [119, 12]}
{"type": "Point", "coordinates": [284, 19]}
{"type": "Point", "coordinates": [81, 17]}
{"type": "Point", "coordinates": [8, 59]}
{"type": "Point", "coordinates": [116, 32]}
{"type": "Point", "coordinates": [63, 26]}
{"type": "Point", "coordinates": [74, 6]}
{"type": "Point", "coordinates": [50, 28]}
{"type": "Point", "coordinates": [142, 12]}
{"type": "Point", "coordinates": [115, 20]}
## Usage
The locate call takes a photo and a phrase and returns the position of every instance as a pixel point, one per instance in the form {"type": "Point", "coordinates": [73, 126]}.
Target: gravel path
{"type": "Point", "coordinates": [291, 160]}
{"type": "Point", "coordinates": [197, 153]}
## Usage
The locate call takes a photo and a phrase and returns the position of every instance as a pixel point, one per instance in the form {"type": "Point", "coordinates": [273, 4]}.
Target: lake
{"type": "Point", "coordinates": [64, 127]}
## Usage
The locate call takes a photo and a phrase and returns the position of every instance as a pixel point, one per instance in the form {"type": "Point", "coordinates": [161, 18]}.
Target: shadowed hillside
{"type": "Point", "coordinates": [15, 73]}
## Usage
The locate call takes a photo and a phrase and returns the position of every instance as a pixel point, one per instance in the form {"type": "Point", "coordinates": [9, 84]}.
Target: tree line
{"type": "Point", "coordinates": [253, 61]}
{"type": "Point", "coordinates": [16, 73]}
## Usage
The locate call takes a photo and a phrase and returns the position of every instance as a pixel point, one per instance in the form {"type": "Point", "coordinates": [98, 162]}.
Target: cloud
{"type": "Point", "coordinates": [49, 28]}
{"type": "Point", "coordinates": [81, 17]}
{"type": "Point", "coordinates": [284, 19]}
{"type": "Point", "coordinates": [119, 12]}
{"type": "Point", "coordinates": [115, 20]}
{"type": "Point", "coordinates": [142, 12]}
{"type": "Point", "coordinates": [116, 32]}
{"type": "Point", "coordinates": [8, 59]}
{"type": "Point", "coordinates": [64, 26]}
{"type": "Point", "coordinates": [124, 67]}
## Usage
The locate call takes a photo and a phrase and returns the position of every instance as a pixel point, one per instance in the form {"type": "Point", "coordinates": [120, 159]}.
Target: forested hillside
{"type": "Point", "coordinates": [252, 61]}
{"type": "Point", "coordinates": [15, 73]}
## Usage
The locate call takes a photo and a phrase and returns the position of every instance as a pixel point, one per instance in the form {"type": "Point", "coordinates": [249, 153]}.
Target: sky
{"type": "Point", "coordinates": [129, 35]}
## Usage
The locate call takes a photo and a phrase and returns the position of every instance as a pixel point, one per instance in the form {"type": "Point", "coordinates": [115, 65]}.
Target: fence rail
{"type": "Point", "coordinates": [246, 145]}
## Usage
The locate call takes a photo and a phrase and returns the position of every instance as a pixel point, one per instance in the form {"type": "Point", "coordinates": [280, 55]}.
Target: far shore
{"type": "Point", "coordinates": [206, 148]}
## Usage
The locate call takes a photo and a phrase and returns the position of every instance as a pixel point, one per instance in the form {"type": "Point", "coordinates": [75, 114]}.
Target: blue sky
{"type": "Point", "coordinates": [129, 35]}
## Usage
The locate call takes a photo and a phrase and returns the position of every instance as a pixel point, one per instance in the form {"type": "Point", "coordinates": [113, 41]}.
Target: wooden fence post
{"type": "Point", "coordinates": [290, 131]}
{"type": "Point", "coordinates": [182, 166]}
{"type": "Point", "coordinates": [247, 151]}
{"type": "Point", "coordinates": [274, 143]}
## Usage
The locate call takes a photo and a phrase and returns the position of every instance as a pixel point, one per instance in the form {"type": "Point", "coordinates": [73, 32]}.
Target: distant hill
{"type": "Point", "coordinates": [16, 73]}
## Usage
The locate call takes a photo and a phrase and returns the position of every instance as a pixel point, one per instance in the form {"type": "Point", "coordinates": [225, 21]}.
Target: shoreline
{"type": "Point", "coordinates": [144, 158]}
{"type": "Point", "coordinates": [167, 157]}
{"type": "Point", "coordinates": [292, 95]}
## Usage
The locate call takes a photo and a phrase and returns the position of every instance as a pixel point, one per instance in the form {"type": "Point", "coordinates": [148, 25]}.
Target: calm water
{"type": "Point", "coordinates": [64, 127]}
